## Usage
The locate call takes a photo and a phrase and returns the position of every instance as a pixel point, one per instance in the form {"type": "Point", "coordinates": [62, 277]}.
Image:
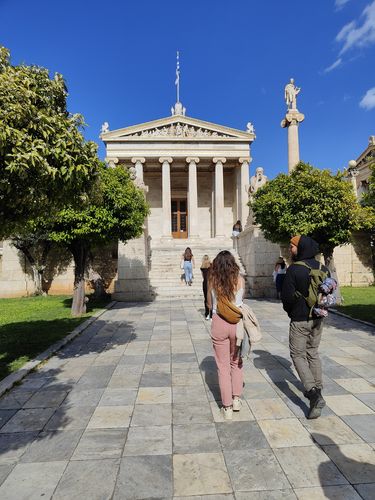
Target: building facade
{"type": "Point", "coordinates": [195, 175]}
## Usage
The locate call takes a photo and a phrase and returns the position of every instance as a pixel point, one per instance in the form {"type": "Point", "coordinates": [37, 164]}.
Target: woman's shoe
{"type": "Point", "coordinates": [207, 317]}
{"type": "Point", "coordinates": [237, 404]}
{"type": "Point", "coordinates": [227, 412]}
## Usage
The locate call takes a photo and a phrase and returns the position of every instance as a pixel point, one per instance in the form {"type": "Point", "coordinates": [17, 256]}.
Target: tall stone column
{"type": "Point", "coordinates": [219, 196]}
{"type": "Point", "coordinates": [243, 178]}
{"type": "Point", "coordinates": [291, 121]}
{"type": "Point", "coordinates": [193, 198]}
{"type": "Point", "coordinates": [166, 197]}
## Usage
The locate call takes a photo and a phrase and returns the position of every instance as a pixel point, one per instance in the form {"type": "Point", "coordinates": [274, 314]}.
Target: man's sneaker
{"type": "Point", "coordinates": [316, 403]}
{"type": "Point", "coordinates": [227, 412]}
{"type": "Point", "coordinates": [237, 404]}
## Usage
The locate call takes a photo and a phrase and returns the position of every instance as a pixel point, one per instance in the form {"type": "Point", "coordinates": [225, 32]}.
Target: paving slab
{"type": "Point", "coordinates": [32, 481]}
{"type": "Point", "coordinates": [87, 479]}
{"type": "Point", "coordinates": [144, 477]}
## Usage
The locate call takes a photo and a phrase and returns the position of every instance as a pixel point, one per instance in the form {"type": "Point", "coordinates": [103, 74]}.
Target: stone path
{"type": "Point", "coordinates": [128, 411]}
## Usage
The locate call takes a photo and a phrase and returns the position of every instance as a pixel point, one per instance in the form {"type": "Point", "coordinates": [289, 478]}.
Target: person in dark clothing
{"type": "Point", "coordinates": [304, 332]}
{"type": "Point", "coordinates": [205, 268]}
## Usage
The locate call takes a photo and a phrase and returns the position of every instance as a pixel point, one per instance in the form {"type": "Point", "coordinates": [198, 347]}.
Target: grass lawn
{"type": "Point", "coordinates": [29, 325]}
{"type": "Point", "coordinates": [359, 302]}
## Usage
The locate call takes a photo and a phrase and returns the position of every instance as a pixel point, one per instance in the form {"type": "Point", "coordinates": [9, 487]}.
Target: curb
{"type": "Point", "coordinates": [339, 313]}
{"type": "Point", "coordinates": [14, 378]}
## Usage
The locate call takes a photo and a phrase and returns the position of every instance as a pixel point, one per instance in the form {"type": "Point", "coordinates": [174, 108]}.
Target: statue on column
{"type": "Point", "coordinates": [290, 94]}
{"type": "Point", "coordinates": [257, 181]}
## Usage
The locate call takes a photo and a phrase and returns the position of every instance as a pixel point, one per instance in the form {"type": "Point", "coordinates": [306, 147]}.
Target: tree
{"type": "Point", "coordinates": [311, 202]}
{"type": "Point", "coordinates": [44, 159]}
{"type": "Point", "coordinates": [114, 209]}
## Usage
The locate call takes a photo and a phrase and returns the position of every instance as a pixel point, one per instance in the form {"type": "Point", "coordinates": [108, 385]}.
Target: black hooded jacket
{"type": "Point", "coordinates": [297, 279]}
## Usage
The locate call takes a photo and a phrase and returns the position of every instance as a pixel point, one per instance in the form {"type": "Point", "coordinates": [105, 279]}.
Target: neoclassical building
{"type": "Point", "coordinates": [196, 173]}
{"type": "Point", "coordinates": [196, 178]}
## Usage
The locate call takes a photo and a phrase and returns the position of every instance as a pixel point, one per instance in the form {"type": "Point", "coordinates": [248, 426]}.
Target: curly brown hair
{"type": "Point", "coordinates": [224, 275]}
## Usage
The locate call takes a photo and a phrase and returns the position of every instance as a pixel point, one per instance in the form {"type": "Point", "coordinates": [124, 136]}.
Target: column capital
{"type": "Point", "coordinates": [243, 160]}
{"type": "Point", "coordinates": [219, 159]}
{"type": "Point", "coordinates": [164, 159]}
{"type": "Point", "coordinates": [111, 161]}
{"type": "Point", "coordinates": [138, 159]}
{"type": "Point", "coordinates": [191, 159]}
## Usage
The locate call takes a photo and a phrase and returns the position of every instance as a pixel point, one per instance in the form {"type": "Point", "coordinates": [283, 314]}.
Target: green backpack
{"type": "Point", "coordinates": [317, 276]}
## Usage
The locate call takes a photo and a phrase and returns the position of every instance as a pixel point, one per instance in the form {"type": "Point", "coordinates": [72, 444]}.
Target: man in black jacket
{"type": "Point", "coordinates": [304, 332]}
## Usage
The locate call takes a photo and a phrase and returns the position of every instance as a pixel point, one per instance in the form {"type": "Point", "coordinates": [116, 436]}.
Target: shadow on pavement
{"type": "Point", "coordinates": [278, 370]}
{"type": "Point", "coordinates": [358, 473]}
{"type": "Point", "coordinates": [50, 409]}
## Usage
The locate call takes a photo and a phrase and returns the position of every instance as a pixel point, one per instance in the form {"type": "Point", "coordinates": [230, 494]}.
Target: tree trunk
{"type": "Point", "coordinates": [79, 251]}
{"type": "Point", "coordinates": [36, 271]}
{"type": "Point", "coordinates": [329, 261]}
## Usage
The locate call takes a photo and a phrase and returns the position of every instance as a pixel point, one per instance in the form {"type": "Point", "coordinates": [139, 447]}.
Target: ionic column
{"type": "Point", "coordinates": [166, 196]}
{"type": "Point", "coordinates": [291, 121]}
{"type": "Point", "coordinates": [242, 190]}
{"type": "Point", "coordinates": [193, 198]}
{"type": "Point", "coordinates": [111, 162]}
{"type": "Point", "coordinates": [219, 196]}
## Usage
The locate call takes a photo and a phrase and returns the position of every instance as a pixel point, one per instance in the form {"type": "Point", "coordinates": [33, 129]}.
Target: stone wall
{"type": "Point", "coordinates": [354, 262]}
{"type": "Point", "coordinates": [16, 276]}
{"type": "Point", "coordinates": [258, 257]}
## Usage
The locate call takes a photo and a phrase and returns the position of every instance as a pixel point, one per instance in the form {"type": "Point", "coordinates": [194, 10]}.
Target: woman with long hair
{"type": "Point", "coordinates": [188, 264]}
{"type": "Point", "coordinates": [225, 283]}
{"type": "Point", "coordinates": [205, 269]}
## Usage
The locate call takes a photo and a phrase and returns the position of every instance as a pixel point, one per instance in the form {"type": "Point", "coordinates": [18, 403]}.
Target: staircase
{"type": "Point", "coordinates": [167, 278]}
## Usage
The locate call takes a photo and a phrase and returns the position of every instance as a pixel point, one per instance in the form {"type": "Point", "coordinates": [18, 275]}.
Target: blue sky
{"type": "Point", "coordinates": [118, 59]}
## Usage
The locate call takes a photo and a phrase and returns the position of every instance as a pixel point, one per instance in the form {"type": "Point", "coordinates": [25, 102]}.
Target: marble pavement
{"type": "Point", "coordinates": [129, 410]}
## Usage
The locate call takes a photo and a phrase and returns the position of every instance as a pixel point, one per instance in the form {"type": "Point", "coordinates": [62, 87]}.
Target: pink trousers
{"type": "Point", "coordinates": [228, 361]}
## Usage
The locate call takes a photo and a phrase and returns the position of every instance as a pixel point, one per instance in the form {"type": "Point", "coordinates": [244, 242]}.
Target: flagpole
{"type": "Point", "coordinates": [178, 76]}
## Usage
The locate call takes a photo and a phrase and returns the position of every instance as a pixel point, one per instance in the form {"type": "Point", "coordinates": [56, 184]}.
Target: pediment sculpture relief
{"type": "Point", "coordinates": [178, 130]}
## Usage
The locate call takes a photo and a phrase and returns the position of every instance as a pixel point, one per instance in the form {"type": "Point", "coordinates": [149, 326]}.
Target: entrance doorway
{"type": "Point", "coordinates": [179, 218]}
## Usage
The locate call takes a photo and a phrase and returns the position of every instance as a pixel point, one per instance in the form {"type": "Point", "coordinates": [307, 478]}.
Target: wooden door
{"type": "Point", "coordinates": [179, 218]}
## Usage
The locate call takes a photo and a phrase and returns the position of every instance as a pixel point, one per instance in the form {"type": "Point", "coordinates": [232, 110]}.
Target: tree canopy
{"type": "Point", "coordinates": [114, 209]}
{"type": "Point", "coordinates": [44, 159]}
{"type": "Point", "coordinates": [312, 202]}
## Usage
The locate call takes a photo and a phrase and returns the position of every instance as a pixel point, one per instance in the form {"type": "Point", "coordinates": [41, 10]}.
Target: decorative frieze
{"type": "Point", "coordinates": [178, 130]}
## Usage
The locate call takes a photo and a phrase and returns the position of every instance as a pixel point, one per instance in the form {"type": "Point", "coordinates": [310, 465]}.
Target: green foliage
{"type": "Point", "coordinates": [115, 210]}
{"type": "Point", "coordinates": [44, 159]}
{"type": "Point", "coordinates": [368, 199]}
{"type": "Point", "coordinates": [312, 202]}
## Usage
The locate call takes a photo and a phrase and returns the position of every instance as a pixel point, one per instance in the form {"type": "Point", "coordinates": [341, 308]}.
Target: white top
{"type": "Point", "coordinates": [238, 299]}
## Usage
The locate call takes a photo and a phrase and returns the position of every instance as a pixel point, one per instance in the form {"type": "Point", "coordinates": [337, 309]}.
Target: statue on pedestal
{"type": "Point", "coordinates": [105, 128]}
{"type": "Point", "coordinates": [290, 94]}
{"type": "Point", "coordinates": [257, 181]}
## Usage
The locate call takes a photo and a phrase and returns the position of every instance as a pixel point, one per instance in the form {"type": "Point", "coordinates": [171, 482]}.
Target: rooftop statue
{"type": "Point", "coordinates": [290, 94]}
{"type": "Point", "coordinates": [105, 128]}
{"type": "Point", "coordinates": [250, 128]}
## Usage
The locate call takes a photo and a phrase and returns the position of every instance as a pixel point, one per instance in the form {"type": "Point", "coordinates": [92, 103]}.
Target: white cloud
{"type": "Point", "coordinates": [359, 33]}
{"type": "Point", "coordinates": [334, 65]}
{"type": "Point", "coordinates": [339, 4]}
{"type": "Point", "coordinates": [368, 100]}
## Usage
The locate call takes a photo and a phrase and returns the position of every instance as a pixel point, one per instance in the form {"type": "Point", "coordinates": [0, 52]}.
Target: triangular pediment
{"type": "Point", "coordinates": [177, 127]}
